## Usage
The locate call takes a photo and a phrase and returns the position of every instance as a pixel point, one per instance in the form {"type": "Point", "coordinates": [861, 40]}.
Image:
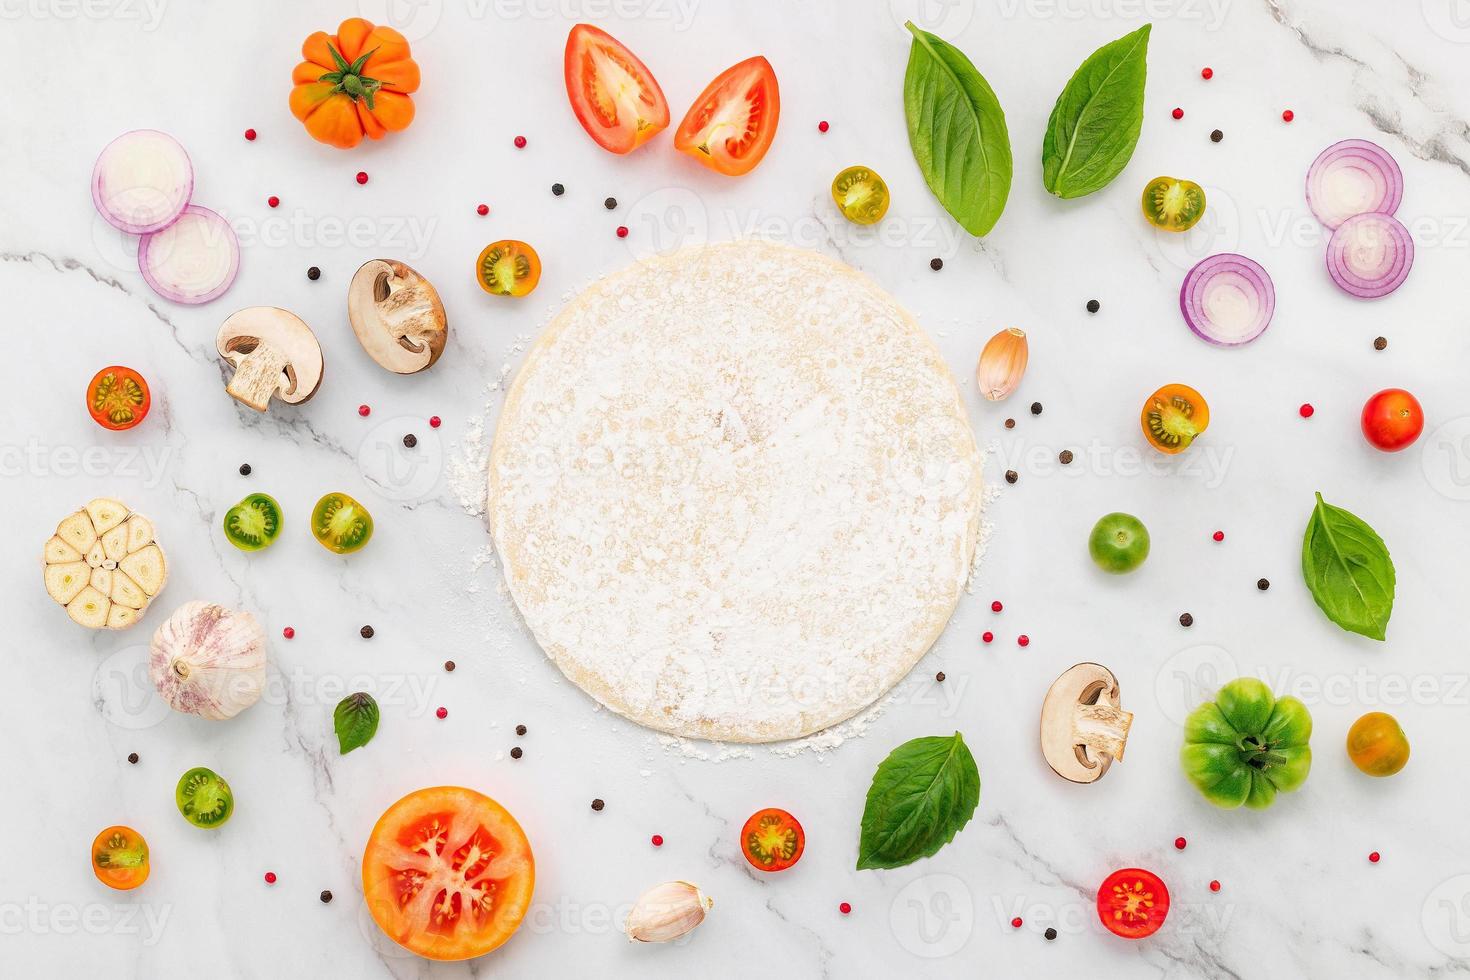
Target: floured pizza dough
{"type": "Point", "coordinates": [734, 492]}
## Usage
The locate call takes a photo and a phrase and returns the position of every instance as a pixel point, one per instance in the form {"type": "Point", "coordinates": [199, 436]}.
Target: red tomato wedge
{"type": "Point", "coordinates": [448, 873]}
{"type": "Point", "coordinates": [732, 123]}
{"type": "Point", "coordinates": [1132, 903]}
{"type": "Point", "coordinates": [614, 95]}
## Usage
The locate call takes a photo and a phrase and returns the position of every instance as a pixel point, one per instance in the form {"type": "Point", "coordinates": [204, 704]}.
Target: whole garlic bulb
{"type": "Point", "coordinates": [209, 661]}
{"type": "Point", "coordinates": [666, 912]}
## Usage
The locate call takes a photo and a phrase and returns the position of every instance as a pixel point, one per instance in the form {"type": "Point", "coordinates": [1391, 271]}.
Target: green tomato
{"type": "Point", "coordinates": [1119, 543]}
{"type": "Point", "coordinates": [1247, 745]}
{"type": "Point", "coordinates": [341, 524]}
{"type": "Point", "coordinates": [254, 522]}
{"type": "Point", "coordinates": [204, 798]}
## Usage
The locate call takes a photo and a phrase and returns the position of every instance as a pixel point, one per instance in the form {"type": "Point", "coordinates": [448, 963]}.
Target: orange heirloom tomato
{"type": "Point", "coordinates": [1377, 745]}
{"type": "Point", "coordinates": [508, 268]}
{"type": "Point", "coordinates": [354, 84]}
{"type": "Point", "coordinates": [448, 873]}
{"type": "Point", "coordinates": [120, 858]}
{"type": "Point", "coordinates": [772, 840]}
{"type": "Point", "coordinates": [1173, 417]}
{"type": "Point", "coordinates": [118, 398]}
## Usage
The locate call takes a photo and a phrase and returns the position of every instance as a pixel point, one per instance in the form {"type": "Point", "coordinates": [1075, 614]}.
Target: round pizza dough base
{"type": "Point", "coordinates": [735, 492]}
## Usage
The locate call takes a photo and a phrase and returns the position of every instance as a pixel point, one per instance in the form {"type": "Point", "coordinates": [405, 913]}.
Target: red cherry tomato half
{"type": "Point", "coordinates": [732, 123]}
{"type": "Point", "coordinates": [1132, 903]}
{"type": "Point", "coordinates": [118, 398]}
{"type": "Point", "coordinates": [772, 840]}
{"type": "Point", "coordinates": [1392, 420]}
{"type": "Point", "coordinates": [614, 95]}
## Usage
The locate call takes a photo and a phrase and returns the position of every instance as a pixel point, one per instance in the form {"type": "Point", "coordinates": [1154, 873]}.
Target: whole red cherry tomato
{"type": "Point", "coordinates": [1392, 420]}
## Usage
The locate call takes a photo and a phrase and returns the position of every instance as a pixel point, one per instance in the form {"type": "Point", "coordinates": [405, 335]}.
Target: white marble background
{"type": "Point", "coordinates": [1299, 897]}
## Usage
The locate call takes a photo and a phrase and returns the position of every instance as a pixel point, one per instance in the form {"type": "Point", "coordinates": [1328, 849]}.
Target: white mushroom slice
{"type": "Point", "coordinates": [397, 316]}
{"type": "Point", "coordinates": [140, 532]}
{"type": "Point", "coordinates": [78, 531]}
{"type": "Point", "coordinates": [274, 353]}
{"type": "Point", "coordinates": [106, 514]}
{"type": "Point", "coordinates": [89, 608]}
{"type": "Point", "coordinates": [1083, 729]}
{"type": "Point", "coordinates": [121, 617]}
{"type": "Point", "coordinates": [126, 592]}
{"type": "Point", "coordinates": [146, 568]}
{"type": "Point", "coordinates": [115, 543]}
{"type": "Point", "coordinates": [58, 551]}
{"type": "Point", "coordinates": [63, 582]}
{"type": "Point", "coordinates": [101, 580]}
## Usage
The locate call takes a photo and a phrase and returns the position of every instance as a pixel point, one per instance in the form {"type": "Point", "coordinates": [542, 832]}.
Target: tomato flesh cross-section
{"type": "Point", "coordinates": [1132, 903]}
{"type": "Point", "coordinates": [772, 840]}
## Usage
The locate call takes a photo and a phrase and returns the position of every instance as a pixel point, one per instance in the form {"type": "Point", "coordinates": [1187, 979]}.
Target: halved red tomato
{"type": "Point", "coordinates": [118, 398]}
{"type": "Point", "coordinates": [614, 95]}
{"type": "Point", "coordinates": [772, 840]}
{"type": "Point", "coordinates": [448, 873]}
{"type": "Point", "coordinates": [1132, 903]}
{"type": "Point", "coordinates": [732, 123]}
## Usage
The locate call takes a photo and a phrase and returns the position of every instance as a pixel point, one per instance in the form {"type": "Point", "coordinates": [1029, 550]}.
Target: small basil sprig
{"type": "Point", "coordinates": [1347, 567]}
{"type": "Point", "coordinates": [1095, 124]}
{"type": "Point", "coordinates": [957, 131]}
{"type": "Point", "coordinates": [922, 795]}
{"type": "Point", "coordinates": [355, 721]}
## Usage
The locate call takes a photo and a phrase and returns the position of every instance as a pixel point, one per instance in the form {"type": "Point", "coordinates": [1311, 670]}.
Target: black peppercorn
{"type": "Point", "coordinates": [1093, 306]}
{"type": "Point", "coordinates": [1185, 619]}
{"type": "Point", "coordinates": [558, 190]}
{"type": "Point", "coordinates": [326, 897]}
{"type": "Point", "coordinates": [939, 677]}
{"type": "Point", "coordinates": [598, 805]}
{"type": "Point", "coordinates": [1065, 456]}
{"type": "Point", "coordinates": [1216, 136]}
{"type": "Point", "coordinates": [936, 263]}
{"type": "Point", "coordinates": [1036, 408]}
{"type": "Point", "coordinates": [520, 729]}
{"type": "Point", "coordinates": [449, 666]}
{"type": "Point", "coordinates": [1010, 423]}
{"type": "Point", "coordinates": [515, 753]}
{"type": "Point", "coordinates": [1012, 476]}
{"type": "Point", "coordinates": [1263, 584]}
{"type": "Point", "coordinates": [244, 469]}
{"type": "Point", "coordinates": [367, 632]}
{"type": "Point", "coordinates": [610, 203]}
{"type": "Point", "coordinates": [133, 758]}
{"type": "Point", "coordinates": [410, 440]}
{"type": "Point", "coordinates": [313, 273]}
{"type": "Point", "coordinates": [1050, 934]}
{"type": "Point", "coordinates": [1380, 343]}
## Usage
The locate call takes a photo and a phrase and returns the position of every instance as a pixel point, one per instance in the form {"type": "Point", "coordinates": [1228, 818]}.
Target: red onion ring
{"type": "Point", "coordinates": [1353, 177]}
{"type": "Point", "coordinates": [1227, 300]}
{"type": "Point", "coordinates": [193, 260]}
{"type": "Point", "coordinates": [1369, 255]}
{"type": "Point", "coordinates": [142, 181]}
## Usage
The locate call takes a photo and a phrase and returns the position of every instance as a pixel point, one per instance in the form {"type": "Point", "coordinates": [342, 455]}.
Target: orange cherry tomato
{"type": "Point", "coordinates": [1392, 420]}
{"type": "Point", "coordinates": [1173, 417]}
{"type": "Point", "coordinates": [508, 268]}
{"type": "Point", "coordinates": [772, 840]}
{"type": "Point", "coordinates": [118, 398]}
{"type": "Point", "coordinates": [1132, 903]}
{"type": "Point", "coordinates": [614, 95]}
{"type": "Point", "coordinates": [120, 858]}
{"type": "Point", "coordinates": [732, 123]}
{"type": "Point", "coordinates": [356, 83]}
{"type": "Point", "coordinates": [448, 873]}
{"type": "Point", "coordinates": [1377, 745]}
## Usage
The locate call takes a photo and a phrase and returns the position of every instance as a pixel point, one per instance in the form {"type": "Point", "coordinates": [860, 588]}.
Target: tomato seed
{"type": "Point", "coordinates": [1306, 411]}
{"type": "Point", "coordinates": [1373, 857]}
{"type": "Point", "coordinates": [250, 135]}
{"type": "Point", "coordinates": [442, 713]}
{"type": "Point", "coordinates": [434, 422]}
{"type": "Point", "coordinates": [1016, 922]}
{"type": "Point", "coordinates": [1180, 843]}
{"type": "Point", "coordinates": [823, 126]}
{"type": "Point", "coordinates": [996, 606]}
{"type": "Point", "coordinates": [845, 908]}
{"type": "Point", "coordinates": [1207, 73]}
{"type": "Point", "coordinates": [289, 632]}
{"type": "Point", "coordinates": [1288, 116]}
{"type": "Point", "coordinates": [658, 840]}
{"type": "Point", "coordinates": [482, 210]}
{"type": "Point", "coordinates": [362, 177]}
{"type": "Point", "coordinates": [273, 201]}
{"type": "Point", "coordinates": [1023, 640]}
{"type": "Point", "coordinates": [133, 758]}
{"type": "Point", "coordinates": [520, 142]}
{"type": "Point", "coordinates": [622, 231]}
{"type": "Point", "coordinates": [987, 636]}
{"type": "Point", "coordinates": [1218, 535]}
{"type": "Point", "coordinates": [1214, 886]}
{"type": "Point", "coordinates": [270, 877]}
{"type": "Point", "coordinates": [364, 410]}
{"type": "Point", "coordinates": [326, 897]}
{"type": "Point", "coordinates": [1178, 113]}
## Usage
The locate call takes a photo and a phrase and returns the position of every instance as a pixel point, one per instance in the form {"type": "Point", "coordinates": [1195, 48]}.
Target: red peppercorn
{"type": "Point", "coordinates": [1178, 113]}
{"type": "Point", "coordinates": [1023, 640]}
{"type": "Point", "coordinates": [622, 231]}
{"type": "Point", "coordinates": [1218, 535]}
{"type": "Point", "coordinates": [482, 210]}
{"type": "Point", "coordinates": [434, 422]}
{"type": "Point", "coordinates": [996, 606]}
{"type": "Point", "coordinates": [250, 135]}
{"type": "Point", "coordinates": [520, 142]}
{"type": "Point", "coordinates": [288, 632]}
{"type": "Point", "coordinates": [658, 840]}
{"type": "Point", "coordinates": [1207, 73]}
{"type": "Point", "coordinates": [822, 126]}
{"type": "Point", "coordinates": [270, 877]}
{"type": "Point", "coordinates": [273, 201]}
{"type": "Point", "coordinates": [442, 713]}
{"type": "Point", "coordinates": [844, 908]}
{"type": "Point", "coordinates": [1016, 922]}
{"type": "Point", "coordinates": [1373, 857]}
{"type": "Point", "coordinates": [1179, 843]}
{"type": "Point", "coordinates": [1306, 410]}
{"type": "Point", "coordinates": [1288, 116]}
{"type": "Point", "coordinates": [364, 410]}
{"type": "Point", "coordinates": [362, 176]}
{"type": "Point", "coordinates": [987, 636]}
{"type": "Point", "coordinates": [1214, 886]}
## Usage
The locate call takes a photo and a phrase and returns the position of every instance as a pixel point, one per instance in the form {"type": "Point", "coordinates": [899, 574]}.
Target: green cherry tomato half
{"type": "Point", "coordinates": [1173, 204]}
{"type": "Point", "coordinates": [1118, 543]}
{"type": "Point", "coordinates": [861, 195]}
{"type": "Point", "coordinates": [1247, 745]}
{"type": "Point", "coordinates": [254, 522]}
{"type": "Point", "coordinates": [204, 798]}
{"type": "Point", "coordinates": [340, 523]}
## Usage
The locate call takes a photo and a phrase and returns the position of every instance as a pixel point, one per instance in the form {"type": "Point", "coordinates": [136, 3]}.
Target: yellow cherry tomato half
{"type": "Point", "coordinates": [120, 858]}
{"type": "Point", "coordinates": [1173, 204]}
{"type": "Point", "coordinates": [861, 195]}
{"type": "Point", "coordinates": [508, 268]}
{"type": "Point", "coordinates": [1377, 745]}
{"type": "Point", "coordinates": [1173, 417]}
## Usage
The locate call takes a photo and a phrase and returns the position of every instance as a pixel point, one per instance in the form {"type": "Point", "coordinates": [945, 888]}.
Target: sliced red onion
{"type": "Point", "coordinates": [142, 181]}
{"type": "Point", "coordinates": [1369, 255]}
{"type": "Point", "coordinates": [193, 260]}
{"type": "Point", "coordinates": [1353, 177]}
{"type": "Point", "coordinates": [1227, 299]}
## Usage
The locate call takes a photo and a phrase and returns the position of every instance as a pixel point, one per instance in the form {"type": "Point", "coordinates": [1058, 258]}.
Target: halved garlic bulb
{"type": "Point", "coordinates": [104, 566]}
{"type": "Point", "coordinates": [209, 661]}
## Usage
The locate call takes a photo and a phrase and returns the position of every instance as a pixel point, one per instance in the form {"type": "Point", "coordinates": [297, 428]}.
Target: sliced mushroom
{"type": "Point", "coordinates": [274, 353]}
{"type": "Point", "coordinates": [1082, 727]}
{"type": "Point", "coordinates": [397, 316]}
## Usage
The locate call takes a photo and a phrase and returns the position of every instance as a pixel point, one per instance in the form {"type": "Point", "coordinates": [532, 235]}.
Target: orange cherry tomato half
{"type": "Point", "coordinates": [614, 95]}
{"type": "Point", "coordinates": [772, 840]}
{"type": "Point", "coordinates": [1377, 745]}
{"type": "Point", "coordinates": [118, 398]}
{"type": "Point", "coordinates": [1132, 903]}
{"type": "Point", "coordinates": [508, 268]}
{"type": "Point", "coordinates": [732, 123]}
{"type": "Point", "coordinates": [448, 873]}
{"type": "Point", "coordinates": [1392, 420]}
{"type": "Point", "coordinates": [120, 858]}
{"type": "Point", "coordinates": [1173, 417]}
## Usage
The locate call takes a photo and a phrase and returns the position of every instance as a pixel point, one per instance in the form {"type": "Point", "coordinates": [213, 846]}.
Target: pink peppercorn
{"type": "Point", "coordinates": [996, 606]}
{"type": "Point", "coordinates": [1306, 410]}
{"type": "Point", "coordinates": [1288, 116]}
{"type": "Point", "coordinates": [822, 126]}
{"type": "Point", "coordinates": [434, 422]}
{"type": "Point", "coordinates": [442, 713]}
{"type": "Point", "coordinates": [1214, 886]}
{"type": "Point", "coordinates": [1180, 842]}
{"type": "Point", "coordinates": [273, 201]}
{"type": "Point", "coordinates": [364, 410]}
{"type": "Point", "coordinates": [987, 636]}
{"type": "Point", "coordinates": [288, 632]}
{"type": "Point", "coordinates": [1218, 535]}
{"type": "Point", "coordinates": [658, 840]}
{"type": "Point", "coordinates": [520, 142]}
{"type": "Point", "coordinates": [362, 177]}
{"type": "Point", "coordinates": [1023, 640]}
{"type": "Point", "coordinates": [844, 908]}
{"type": "Point", "coordinates": [622, 231]}
{"type": "Point", "coordinates": [1178, 113]}
{"type": "Point", "coordinates": [1207, 73]}
{"type": "Point", "coordinates": [270, 877]}
{"type": "Point", "coordinates": [250, 135]}
{"type": "Point", "coordinates": [482, 210]}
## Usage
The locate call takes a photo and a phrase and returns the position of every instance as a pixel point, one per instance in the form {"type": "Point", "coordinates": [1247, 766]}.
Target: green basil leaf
{"type": "Point", "coordinates": [1348, 570]}
{"type": "Point", "coordinates": [1095, 124]}
{"type": "Point", "coordinates": [957, 131]}
{"type": "Point", "coordinates": [355, 721]}
{"type": "Point", "coordinates": [922, 795]}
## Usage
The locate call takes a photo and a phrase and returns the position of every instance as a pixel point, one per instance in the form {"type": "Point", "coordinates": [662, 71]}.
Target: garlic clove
{"type": "Point", "coordinates": [1002, 364]}
{"type": "Point", "coordinates": [667, 911]}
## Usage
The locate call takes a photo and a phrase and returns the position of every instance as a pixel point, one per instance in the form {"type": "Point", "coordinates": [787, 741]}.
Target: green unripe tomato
{"type": "Point", "coordinates": [1119, 543]}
